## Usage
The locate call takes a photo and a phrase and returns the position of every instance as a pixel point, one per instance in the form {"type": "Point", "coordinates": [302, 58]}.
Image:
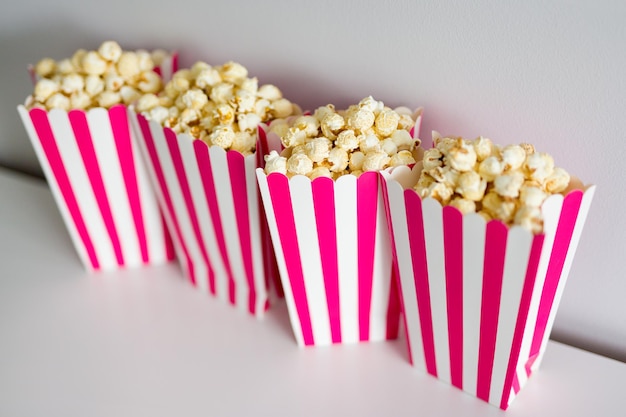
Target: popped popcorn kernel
{"type": "Point", "coordinates": [45, 67]}
{"type": "Point", "coordinates": [299, 164]}
{"type": "Point", "coordinates": [275, 163]}
{"type": "Point", "coordinates": [93, 64]}
{"type": "Point", "coordinates": [110, 51]}
{"type": "Point", "coordinates": [45, 88]}
{"type": "Point", "coordinates": [402, 158]}
{"type": "Point", "coordinates": [464, 205]}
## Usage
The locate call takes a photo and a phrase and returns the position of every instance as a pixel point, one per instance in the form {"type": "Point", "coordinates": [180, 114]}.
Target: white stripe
{"type": "Point", "coordinates": [381, 273]}
{"type": "Point", "coordinates": [567, 265]}
{"type": "Point", "coordinates": [114, 184]}
{"type": "Point", "coordinates": [256, 242]}
{"type": "Point", "coordinates": [433, 233]}
{"type": "Point", "coordinates": [474, 229]}
{"type": "Point", "coordinates": [551, 210]}
{"type": "Point", "coordinates": [151, 216]}
{"type": "Point", "coordinates": [347, 257]}
{"type": "Point", "coordinates": [73, 162]}
{"type": "Point", "coordinates": [148, 180]}
{"type": "Point", "coordinates": [308, 242]}
{"type": "Point", "coordinates": [224, 196]}
{"type": "Point", "coordinates": [519, 242]}
{"type": "Point", "coordinates": [178, 201]}
{"type": "Point", "coordinates": [280, 256]}
{"type": "Point", "coordinates": [54, 187]}
{"type": "Point", "coordinates": [405, 266]}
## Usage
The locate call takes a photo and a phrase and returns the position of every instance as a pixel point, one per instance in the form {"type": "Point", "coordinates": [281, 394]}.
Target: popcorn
{"type": "Point", "coordinates": [513, 157]}
{"type": "Point", "coordinates": [93, 64]}
{"type": "Point", "coordinates": [105, 77]}
{"type": "Point", "coordinates": [461, 156]}
{"type": "Point", "coordinates": [508, 184]}
{"type": "Point", "coordinates": [45, 67]}
{"type": "Point", "coordinates": [402, 158]}
{"type": "Point", "coordinates": [223, 107]}
{"type": "Point", "coordinates": [44, 89]}
{"type": "Point", "coordinates": [339, 160]}
{"type": "Point", "coordinates": [471, 186]}
{"type": "Point", "coordinates": [464, 205]}
{"type": "Point", "coordinates": [108, 99]}
{"type": "Point", "coordinates": [110, 51]}
{"type": "Point", "coordinates": [299, 164]}
{"type": "Point", "coordinates": [365, 137]}
{"type": "Point", "coordinates": [376, 161]}
{"type": "Point", "coordinates": [557, 181]}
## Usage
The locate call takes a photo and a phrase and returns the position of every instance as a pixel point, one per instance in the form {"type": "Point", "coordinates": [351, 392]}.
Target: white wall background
{"type": "Point", "coordinates": [549, 73]}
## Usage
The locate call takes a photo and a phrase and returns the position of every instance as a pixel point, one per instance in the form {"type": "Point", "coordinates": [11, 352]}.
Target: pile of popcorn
{"type": "Point", "coordinates": [101, 78]}
{"type": "Point", "coordinates": [367, 136]}
{"type": "Point", "coordinates": [509, 184]}
{"type": "Point", "coordinates": [217, 104]}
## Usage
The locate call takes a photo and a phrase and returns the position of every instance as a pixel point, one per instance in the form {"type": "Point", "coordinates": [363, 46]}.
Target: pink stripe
{"type": "Point", "coordinates": [169, 245]}
{"type": "Point", "coordinates": [522, 317]}
{"type": "Point", "coordinates": [177, 160]}
{"type": "Point", "coordinates": [324, 204]}
{"type": "Point", "coordinates": [417, 242]}
{"type": "Point", "coordinates": [453, 248]}
{"type": "Point", "coordinates": [563, 237]}
{"type": "Point", "coordinates": [80, 126]}
{"type": "Point", "coordinates": [121, 132]}
{"type": "Point", "coordinates": [278, 185]}
{"type": "Point", "coordinates": [516, 387]}
{"type": "Point", "coordinates": [495, 250]}
{"type": "Point", "coordinates": [393, 308]}
{"type": "Point", "coordinates": [366, 207]}
{"type": "Point", "coordinates": [237, 170]}
{"type": "Point", "coordinates": [48, 143]}
{"type": "Point", "coordinates": [158, 171]}
{"type": "Point", "coordinates": [208, 182]}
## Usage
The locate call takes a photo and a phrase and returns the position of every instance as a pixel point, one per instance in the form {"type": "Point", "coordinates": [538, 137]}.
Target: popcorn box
{"type": "Point", "coordinates": [333, 253]}
{"type": "Point", "coordinates": [210, 200]}
{"type": "Point", "coordinates": [334, 258]}
{"type": "Point", "coordinates": [479, 298]}
{"type": "Point", "coordinates": [100, 184]}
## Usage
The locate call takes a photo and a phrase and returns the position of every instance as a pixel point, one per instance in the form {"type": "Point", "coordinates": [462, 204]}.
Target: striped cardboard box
{"type": "Point", "coordinates": [479, 298]}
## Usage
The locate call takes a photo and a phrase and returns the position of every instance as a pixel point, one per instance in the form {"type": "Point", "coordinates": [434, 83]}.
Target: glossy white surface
{"type": "Point", "coordinates": [144, 342]}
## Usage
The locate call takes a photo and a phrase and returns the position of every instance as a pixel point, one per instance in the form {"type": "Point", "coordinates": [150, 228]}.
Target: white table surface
{"type": "Point", "coordinates": [145, 342]}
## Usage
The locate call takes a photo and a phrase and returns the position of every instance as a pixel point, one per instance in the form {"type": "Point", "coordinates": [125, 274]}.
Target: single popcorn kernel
{"type": "Point", "coordinates": [45, 67]}
{"type": "Point", "coordinates": [299, 164]}
{"type": "Point", "coordinates": [275, 163]}
{"type": "Point", "coordinates": [110, 50]}
{"type": "Point", "coordinates": [93, 64]}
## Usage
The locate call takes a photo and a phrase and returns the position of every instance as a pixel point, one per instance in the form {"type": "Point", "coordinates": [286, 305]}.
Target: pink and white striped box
{"type": "Point", "coordinates": [211, 206]}
{"type": "Point", "coordinates": [100, 184]}
{"type": "Point", "coordinates": [479, 299]}
{"type": "Point", "coordinates": [334, 256]}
